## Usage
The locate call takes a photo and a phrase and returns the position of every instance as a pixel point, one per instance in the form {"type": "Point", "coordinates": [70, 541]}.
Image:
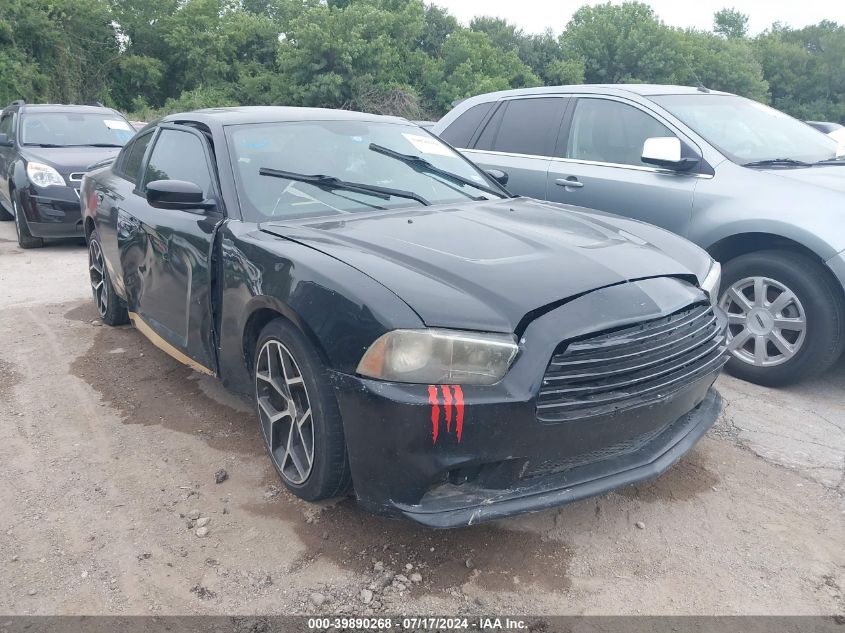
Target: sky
{"type": "Point", "coordinates": [534, 16]}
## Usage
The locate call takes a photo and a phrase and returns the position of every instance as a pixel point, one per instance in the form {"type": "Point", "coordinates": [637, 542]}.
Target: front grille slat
{"type": "Point", "coordinates": [636, 361]}
{"type": "Point", "coordinates": [626, 350]}
{"type": "Point", "coordinates": [631, 366]}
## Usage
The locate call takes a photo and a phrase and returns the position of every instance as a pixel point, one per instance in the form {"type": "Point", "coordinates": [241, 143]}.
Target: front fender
{"type": "Point", "coordinates": [339, 309]}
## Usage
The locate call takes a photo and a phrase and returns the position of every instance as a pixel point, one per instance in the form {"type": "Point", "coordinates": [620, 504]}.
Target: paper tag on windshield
{"type": "Point", "coordinates": [114, 124]}
{"type": "Point", "coordinates": [428, 145]}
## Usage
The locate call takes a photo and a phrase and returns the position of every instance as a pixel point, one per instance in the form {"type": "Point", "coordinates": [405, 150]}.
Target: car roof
{"type": "Point", "coordinates": [643, 90]}
{"type": "Point", "coordinates": [60, 107]}
{"type": "Point", "coordinates": [270, 114]}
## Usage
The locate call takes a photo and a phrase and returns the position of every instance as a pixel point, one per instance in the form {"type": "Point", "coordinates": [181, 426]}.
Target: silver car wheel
{"type": "Point", "coordinates": [767, 324]}
{"type": "Point", "coordinates": [96, 271]}
{"type": "Point", "coordinates": [285, 412]}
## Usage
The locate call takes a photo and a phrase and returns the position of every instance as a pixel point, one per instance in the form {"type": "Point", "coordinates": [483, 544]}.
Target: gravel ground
{"type": "Point", "coordinates": [111, 454]}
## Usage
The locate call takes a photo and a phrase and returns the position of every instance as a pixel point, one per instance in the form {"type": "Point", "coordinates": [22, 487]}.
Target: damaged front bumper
{"type": "Point", "coordinates": [447, 456]}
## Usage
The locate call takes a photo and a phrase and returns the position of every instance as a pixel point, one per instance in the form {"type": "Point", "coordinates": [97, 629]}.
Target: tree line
{"type": "Point", "coordinates": [406, 57]}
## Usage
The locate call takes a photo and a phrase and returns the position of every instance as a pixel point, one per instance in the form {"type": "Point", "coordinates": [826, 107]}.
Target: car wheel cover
{"type": "Point", "coordinates": [285, 411]}
{"type": "Point", "coordinates": [96, 271]}
{"type": "Point", "coordinates": [767, 323]}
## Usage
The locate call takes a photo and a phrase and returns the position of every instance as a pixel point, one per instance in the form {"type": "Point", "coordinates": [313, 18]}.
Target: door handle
{"type": "Point", "coordinates": [569, 181]}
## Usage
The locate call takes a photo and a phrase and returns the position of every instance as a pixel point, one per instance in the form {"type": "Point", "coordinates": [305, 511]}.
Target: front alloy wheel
{"type": "Point", "coordinates": [786, 316]}
{"type": "Point", "coordinates": [767, 324]}
{"type": "Point", "coordinates": [298, 413]}
{"type": "Point", "coordinates": [285, 411]}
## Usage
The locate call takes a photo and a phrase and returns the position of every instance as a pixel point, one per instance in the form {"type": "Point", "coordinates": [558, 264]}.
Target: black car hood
{"type": "Point", "coordinates": [486, 265]}
{"type": "Point", "coordinates": [68, 160]}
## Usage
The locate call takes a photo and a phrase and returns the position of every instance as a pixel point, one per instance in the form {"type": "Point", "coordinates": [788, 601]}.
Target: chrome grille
{"type": "Point", "coordinates": [76, 176]}
{"type": "Point", "coordinates": [631, 366]}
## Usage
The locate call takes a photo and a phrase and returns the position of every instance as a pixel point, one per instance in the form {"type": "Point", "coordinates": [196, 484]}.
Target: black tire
{"type": "Point", "coordinates": [111, 308]}
{"type": "Point", "coordinates": [818, 296]}
{"type": "Point", "coordinates": [328, 474]}
{"type": "Point", "coordinates": [25, 238]}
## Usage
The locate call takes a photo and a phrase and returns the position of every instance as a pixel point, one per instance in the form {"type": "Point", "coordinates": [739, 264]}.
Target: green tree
{"type": "Point", "coordinates": [730, 23]}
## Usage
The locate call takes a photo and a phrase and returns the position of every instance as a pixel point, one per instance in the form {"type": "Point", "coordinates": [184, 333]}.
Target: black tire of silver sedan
{"type": "Point", "coordinates": [786, 318]}
{"type": "Point", "coordinates": [298, 414]}
{"type": "Point", "coordinates": [110, 307]}
{"type": "Point", "coordinates": [25, 238]}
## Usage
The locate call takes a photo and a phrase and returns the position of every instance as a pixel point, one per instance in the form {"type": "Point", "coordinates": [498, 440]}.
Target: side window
{"type": "Point", "coordinates": [461, 130]}
{"type": "Point", "coordinates": [526, 126]}
{"type": "Point", "coordinates": [130, 159]}
{"type": "Point", "coordinates": [7, 125]}
{"type": "Point", "coordinates": [179, 156]}
{"type": "Point", "coordinates": [611, 132]}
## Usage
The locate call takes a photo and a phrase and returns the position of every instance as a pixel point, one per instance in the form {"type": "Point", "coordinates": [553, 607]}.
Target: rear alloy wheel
{"type": "Point", "coordinates": [785, 317]}
{"type": "Point", "coordinates": [25, 238]}
{"type": "Point", "coordinates": [298, 413]}
{"type": "Point", "coordinates": [110, 307]}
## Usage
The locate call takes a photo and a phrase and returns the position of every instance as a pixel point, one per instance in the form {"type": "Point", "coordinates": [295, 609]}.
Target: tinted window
{"type": "Point", "coordinates": [179, 156]}
{"type": "Point", "coordinates": [529, 126]}
{"type": "Point", "coordinates": [129, 162]}
{"type": "Point", "coordinates": [6, 125]}
{"type": "Point", "coordinates": [611, 132]}
{"type": "Point", "coordinates": [461, 130]}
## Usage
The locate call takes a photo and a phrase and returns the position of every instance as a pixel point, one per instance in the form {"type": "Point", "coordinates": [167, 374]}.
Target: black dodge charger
{"type": "Point", "coordinates": [405, 326]}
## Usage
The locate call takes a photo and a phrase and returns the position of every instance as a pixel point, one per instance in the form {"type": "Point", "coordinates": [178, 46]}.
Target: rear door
{"type": "Point", "coordinates": [166, 254]}
{"type": "Point", "coordinates": [519, 138]}
{"type": "Point", "coordinates": [114, 186]}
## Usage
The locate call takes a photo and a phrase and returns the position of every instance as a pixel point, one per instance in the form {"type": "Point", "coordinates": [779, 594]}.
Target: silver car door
{"type": "Point", "coordinates": [597, 165]}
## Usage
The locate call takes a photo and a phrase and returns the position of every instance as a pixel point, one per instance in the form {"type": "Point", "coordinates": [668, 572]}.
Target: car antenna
{"type": "Point", "coordinates": [700, 84]}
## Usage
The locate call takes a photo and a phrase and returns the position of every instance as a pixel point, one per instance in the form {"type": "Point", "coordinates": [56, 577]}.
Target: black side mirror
{"type": "Point", "coordinates": [176, 194]}
{"type": "Point", "coordinates": [5, 141]}
{"type": "Point", "coordinates": [498, 175]}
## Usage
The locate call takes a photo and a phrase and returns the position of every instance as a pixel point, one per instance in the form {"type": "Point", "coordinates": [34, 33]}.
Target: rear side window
{"type": "Point", "coordinates": [525, 126]}
{"type": "Point", "coordinates": [179, 156]}
{"type": "Point", "coordinates": [461, 130]}
{"type": "Point", "coordinates": [129, 162]}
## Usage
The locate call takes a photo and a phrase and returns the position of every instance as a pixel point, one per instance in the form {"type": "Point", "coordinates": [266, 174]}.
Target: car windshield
{"type": "Point", "coordinates": [746, 131]}
{"type": "Point", "coordinates": [75, 129]}
{"type": "Point", "coordinates": [367, 165]}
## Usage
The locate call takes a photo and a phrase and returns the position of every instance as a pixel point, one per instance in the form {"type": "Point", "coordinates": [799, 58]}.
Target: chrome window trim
{"type": "Point", "coordinates": [577, 161]}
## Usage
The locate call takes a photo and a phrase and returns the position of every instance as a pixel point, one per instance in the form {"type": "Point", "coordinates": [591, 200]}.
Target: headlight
{"type": "Point", "coordinates": [711, 282]}
{"type": "Point", "coordinates": [43, 175]}
{"type": "Point", "coordinates": [439, 356]}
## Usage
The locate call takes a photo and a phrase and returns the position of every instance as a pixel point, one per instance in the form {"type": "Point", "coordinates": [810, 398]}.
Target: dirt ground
{"type": "Point", "coordinates": [108, 455]}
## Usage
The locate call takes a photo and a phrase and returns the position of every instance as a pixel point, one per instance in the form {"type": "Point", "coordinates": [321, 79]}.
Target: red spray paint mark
{"type": "Point", "coordinates": [459, 405]}
{"type": "Point", "coordinates": [447, 402]}
{"type": "Point", "coordinates": [452, 394]}
{"type": "Point", "coordinates": [435, 412]}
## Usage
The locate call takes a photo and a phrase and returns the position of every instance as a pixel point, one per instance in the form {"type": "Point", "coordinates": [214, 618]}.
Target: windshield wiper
{"type": "Point", "coordinates": [42, 145]}
{"type": "Point", "coordinates": [95, 145]}
{"type": "Point", "coordinates": [330, 182]}
{"type": "Point", "coordinates": [838, 160]}
{"type": "Point", "coordinates": [777, 161]}
{"type": "Point", "coordinates": [422, 165]}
